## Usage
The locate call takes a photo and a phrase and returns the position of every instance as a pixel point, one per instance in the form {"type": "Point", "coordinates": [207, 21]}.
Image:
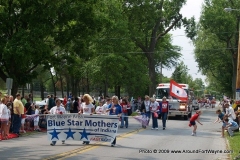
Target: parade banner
{"type": "Point", "coordinates": [80, 127]}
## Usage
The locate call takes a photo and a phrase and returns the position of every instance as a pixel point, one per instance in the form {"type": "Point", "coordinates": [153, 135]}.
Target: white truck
{"type": "Point", "coordinates": [176, 106]}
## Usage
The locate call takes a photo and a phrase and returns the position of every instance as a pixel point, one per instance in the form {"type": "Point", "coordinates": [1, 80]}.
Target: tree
{"type": "Point", "coordinates": [30, 31]}
{"type": "Point", "coordinates": [217, 42]}
{"type": "Point", "coordinates": [160, 16]}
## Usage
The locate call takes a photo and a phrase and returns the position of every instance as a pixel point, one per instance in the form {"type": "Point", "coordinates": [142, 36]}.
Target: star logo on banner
{"type": "Point", "coordinates": [69, 133]}
{"type": "Point", "coordinates": [84, 134]}
{"type": "Point", "coordinates": [54, 134]}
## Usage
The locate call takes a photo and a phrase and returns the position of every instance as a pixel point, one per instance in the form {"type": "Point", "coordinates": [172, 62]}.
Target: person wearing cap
{"type": "Point", "coordinates": [164, 107]}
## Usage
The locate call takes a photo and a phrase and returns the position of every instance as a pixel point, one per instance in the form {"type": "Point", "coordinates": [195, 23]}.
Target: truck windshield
{"type": "Point", "coordinates": [164, 92]}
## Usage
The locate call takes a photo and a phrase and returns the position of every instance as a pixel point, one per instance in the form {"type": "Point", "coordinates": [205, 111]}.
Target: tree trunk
{"type": "Point", "coordinates": [42, 90]}
{"type": "Point", "coordinates": [53, 83]}
{"type": "Point", "coordinates": [61, 81]}
{"type": "Point", "coordinates": [67, 79]}
{"type": "Point", "coordinates": [152, 73]}
{"type": "Point", "coordinates": [23, 90]}
{"type": "Point", "coordinates": [14, 89]}
{"type": "Point", "coordinates": [234, 76]}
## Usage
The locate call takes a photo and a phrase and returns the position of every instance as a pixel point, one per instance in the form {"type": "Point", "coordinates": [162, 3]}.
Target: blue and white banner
{"type": "Point", "coordinates": [81, 127]}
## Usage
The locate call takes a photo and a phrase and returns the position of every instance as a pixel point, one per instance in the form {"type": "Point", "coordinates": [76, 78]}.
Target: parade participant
{"type": "Point", "coordinates": [58, 109]}
{"type": "Point", "coordinates": [230, 112]}
{"type": "Point", "coordinates": [220, 119]}
{"type": "Point", "coordinates": [164, 107]}
{"type": "Point", "coordinates": [154, 108]}
{"type": "Point", "coordinates": [230, 126]}
{"type": "Point", "coordinates": [192, 122]}
{"type": "Point", "coordinates": [114, 109]}
{"type": "Point", "coordinates": [145, 107]}
{"type": "Point", "coordinates": [18, 110]}
{"type": "Point", "coordinates": [87, 108]}
{"type": "Point", "coordinates": [4, 117]}
{"type": "Point", "coordinates": [100, 109]}
{"type": "Point", "coordinates": [105, 106]}
{"type": "Point", "coordinates": [124, 117]}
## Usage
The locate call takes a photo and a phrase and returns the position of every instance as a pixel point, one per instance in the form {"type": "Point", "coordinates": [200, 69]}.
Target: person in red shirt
{"type": "Point", "coordinates": [125, 106]}
{"type": "Point", "coordinates": [192, 122]}
{"type": "Point", "coordinates": [65, 101]}
{"type": "Point", "coordinates": [164, 107]}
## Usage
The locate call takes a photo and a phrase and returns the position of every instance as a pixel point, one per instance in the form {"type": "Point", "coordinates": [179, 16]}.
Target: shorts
{"type": "Point", "coordinates": [23, 120]}
{"type": "Point", "coordinates": [192, 123]}
{"type": "Point", "coordinates": [224, 125]}
{"type": "Point", "coordinates": [36, 123]}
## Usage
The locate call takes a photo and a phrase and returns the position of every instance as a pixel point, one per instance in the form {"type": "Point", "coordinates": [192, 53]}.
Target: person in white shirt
{"type": "Point", "coordinates": [87, 108]}
{"type": "Point", "coordinates": [58, 109]}
{"type": "Point", "coordinates": [230, 112]}
{"type": "Point", "coordinates": [105, 106]}
{"type": "Point", "coordinates": [154, 108]}
{"type": "Point", "coordinates": [36, 119]}
{"type": "Point", "coordinates": [100, 109]}
{"type": "Point", "coordinates": [4, 118]}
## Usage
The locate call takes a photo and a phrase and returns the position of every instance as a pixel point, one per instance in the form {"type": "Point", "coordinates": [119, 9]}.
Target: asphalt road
{"type": "Point", "coordinates": [139, 144]}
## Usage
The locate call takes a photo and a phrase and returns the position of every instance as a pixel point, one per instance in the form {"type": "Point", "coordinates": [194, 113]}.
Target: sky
{"type": "Point", "coordinates": [192, 8]}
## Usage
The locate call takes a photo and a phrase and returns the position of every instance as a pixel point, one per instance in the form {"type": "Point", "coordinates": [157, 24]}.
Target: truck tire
{"type": "Point", "coordinates": [185, 117]}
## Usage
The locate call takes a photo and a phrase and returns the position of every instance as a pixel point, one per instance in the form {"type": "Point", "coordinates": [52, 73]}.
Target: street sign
{"type": "Point", "coordinates": [237, 94]}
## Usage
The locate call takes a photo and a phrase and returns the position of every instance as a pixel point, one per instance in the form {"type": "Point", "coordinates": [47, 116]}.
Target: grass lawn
{"type": "Point", "coordinates": [234, 145]}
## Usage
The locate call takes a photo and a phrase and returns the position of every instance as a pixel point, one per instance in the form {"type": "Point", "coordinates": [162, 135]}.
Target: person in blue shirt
{"type": "Point", "coordinates": [114, 109]}
{"type": "Point", "coordinates": [230, 126]}
{"type": "Point", "coordinates": [220, 119]}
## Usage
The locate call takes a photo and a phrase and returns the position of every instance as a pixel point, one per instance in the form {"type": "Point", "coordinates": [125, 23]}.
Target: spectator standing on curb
{"type": "Point", "coordinates": [18, 110]}
{"type": "Point", "coordinates": [4, 117]}
{"type": "Point", "coordinates": [58, 109]}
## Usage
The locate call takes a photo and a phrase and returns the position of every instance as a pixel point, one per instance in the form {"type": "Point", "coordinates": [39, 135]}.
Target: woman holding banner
{"type": "Point", "coordinates": [58, 109]}
{"type": "Point", "coordinates": [114, 109]}
{"type": "Point", "coordinates": [87, 108]}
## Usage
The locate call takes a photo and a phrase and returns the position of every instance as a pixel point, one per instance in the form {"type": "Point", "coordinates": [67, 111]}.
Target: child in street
{"type": "Point", "coordinates": [192, 122]}
{"type": "Point", "coordinates": [220, 119]}
{"type": "Point", "coordinates": [230, 126]}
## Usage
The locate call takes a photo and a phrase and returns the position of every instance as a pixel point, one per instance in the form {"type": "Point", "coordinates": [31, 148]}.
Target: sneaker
{"type": "Point", "coordinates": [63, 142]}
{"type": "Point", "coordinates": [112, 145]}
{"type": "Point", "coordinates": [52, 144]}
{"type": "Point", "coordinates": [83, 142]}
{"type": "Point", "coordinates": [163, 128]}
{"type": "Point", "coordinates": [193, 134]}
